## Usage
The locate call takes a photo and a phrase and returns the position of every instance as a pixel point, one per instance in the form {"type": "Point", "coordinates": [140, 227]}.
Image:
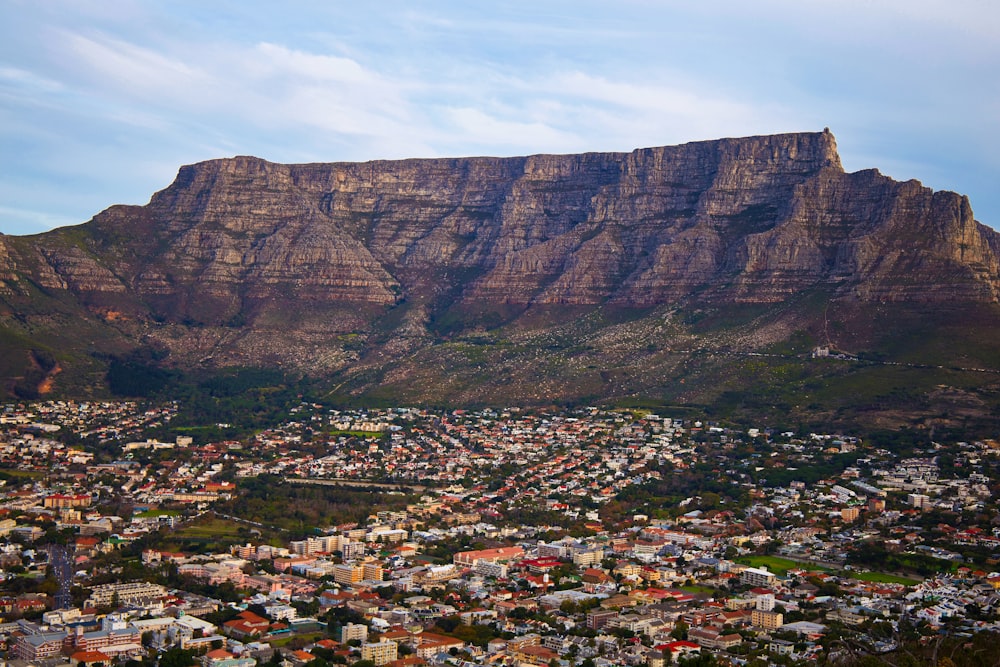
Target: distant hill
{"type": "Point", "coordinates": [696, 275]}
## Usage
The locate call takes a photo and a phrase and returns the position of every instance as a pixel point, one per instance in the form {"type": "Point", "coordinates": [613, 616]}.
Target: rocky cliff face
{"type": "Point", "coordinates": [245, 261]}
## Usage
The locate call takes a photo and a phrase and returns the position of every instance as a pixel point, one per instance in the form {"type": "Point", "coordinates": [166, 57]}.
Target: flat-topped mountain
{"type": "Point", "coordinates": [532, 279]}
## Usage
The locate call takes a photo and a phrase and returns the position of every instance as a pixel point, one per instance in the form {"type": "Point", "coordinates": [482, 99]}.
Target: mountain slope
{"type": "Point", "coordinates": [536, 279]}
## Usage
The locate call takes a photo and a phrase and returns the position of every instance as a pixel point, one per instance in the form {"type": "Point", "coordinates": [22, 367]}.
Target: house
{"type": "Point", "coordinates": [298, 658]}
{"type": "Point", "coordinates": [223, 658]}
{"type": "Point", "coordinates": [408, 661]}
{"type": "Point", "coordinates": [533, 654]}
{"type": "Point", "coordinates": [431, 643]}
{"type": "Point", "coordinates": [679, 649]}
{"type": "Point", "coordinates": [500, 555]}
{"type": "Point", "coordinates": [247, 625]}
{"type": "Point", "coordinates": [90, 659]}
{"type": "Point", "coordinates": [714, 639]}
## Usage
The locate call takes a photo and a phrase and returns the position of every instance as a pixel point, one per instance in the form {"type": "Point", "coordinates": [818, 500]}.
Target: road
{"type": "Point", "coordinates": [61, 562]}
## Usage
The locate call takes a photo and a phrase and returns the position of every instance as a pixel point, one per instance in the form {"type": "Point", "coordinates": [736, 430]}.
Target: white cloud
{"type": "Point", "coordinates": [289, 87]}
{"type": "Point", "coordinates": [478, 127]}
{"type": "Point", "coordinates": [32, 222]}
{"type": "Point", "coordinates": [128, 68]}
{"type": "Point", "coordinates": [278, 60]}
{"type": "Point", "coordinates": [28, 82]}
{"type": "Point", "coordinates": [702, 110]}
{"type": "Point", "coordinates": [265, 86]}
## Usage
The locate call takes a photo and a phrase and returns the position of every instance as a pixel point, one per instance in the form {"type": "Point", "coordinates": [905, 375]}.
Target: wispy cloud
{"type": "Point", "coordinates": [32, 222]}
{"type": "Point", "coordinates": [479, 127]}
{"type": "Point", "coordinates": [130, 70]}
{"type": "Point", "coordinates": [277, 60]}
{"type": "Point", "coordinates": [27, 82]}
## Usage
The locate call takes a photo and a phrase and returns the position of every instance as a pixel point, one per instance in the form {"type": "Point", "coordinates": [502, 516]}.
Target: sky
{"type": "Point", "coordinates": [101, 101]}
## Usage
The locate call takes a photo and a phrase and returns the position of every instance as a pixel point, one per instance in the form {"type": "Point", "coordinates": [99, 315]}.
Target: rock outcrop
{"type": "Point", "coordinates": [243, 261]}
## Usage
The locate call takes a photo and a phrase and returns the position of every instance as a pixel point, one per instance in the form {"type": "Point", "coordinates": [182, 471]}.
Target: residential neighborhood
{"type": "Point", "coordinates": [411, 536]}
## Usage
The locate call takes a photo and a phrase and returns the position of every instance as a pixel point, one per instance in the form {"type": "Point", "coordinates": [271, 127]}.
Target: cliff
{"type": "Point", "coordinates": [332, 267]}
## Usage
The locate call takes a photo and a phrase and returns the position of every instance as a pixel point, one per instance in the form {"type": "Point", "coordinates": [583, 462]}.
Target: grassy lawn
{"type": "Point", "coordinates": [780, 566]}
{"type": "Point", "coordinates": [304, 638]}
{"type": "Point", "coordinates": [211, 528]}
{"type": "Point", "coordinates": [14, 473]}
{"type": "Point", "coordinates": [206, 534]}
{"type": "Point", "coordinates": [880, 578]}
{"type": "Point", "coordinates": [356, 434]}
{"type": "Point", "coordinates": [698, 589]}
{"type": "Point", "coordinates": [152, 513]}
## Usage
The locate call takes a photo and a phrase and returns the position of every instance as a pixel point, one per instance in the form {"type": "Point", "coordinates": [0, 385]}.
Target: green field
{"type": "Point", "coordinates": [698, 589]}
{"type": "Point", "coordinates": [780, 566]}
{"type": "Point", "coordinates": [207, 534]}
{"type": "Point", "coordinates": [880, 578]}
{"type": "Point", "coordinates": [152, 513]}
{"type": "Point", "coordinates": [14, 473]}
{"type": "Point", "coordinates": [357, 434]}
{"type": "Point", "coordinates": [298, 638]}
{"type": "Point", "coordinates": [213, 528]}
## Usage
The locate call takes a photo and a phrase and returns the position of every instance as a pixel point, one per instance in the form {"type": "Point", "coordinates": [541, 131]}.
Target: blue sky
{"type": "Point", "coordinates": [102, 101]}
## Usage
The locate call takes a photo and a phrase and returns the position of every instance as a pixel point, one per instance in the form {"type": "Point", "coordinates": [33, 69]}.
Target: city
{"type": "Point", "coordinates": [409, 536]}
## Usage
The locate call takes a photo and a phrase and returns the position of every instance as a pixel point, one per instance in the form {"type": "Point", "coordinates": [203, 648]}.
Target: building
{"type": "Point", "coordinates": [679, 649]}
{"type": "Point", "coordinates": [588, 557]}
{"type": "Point", "coordinates": [61, 500]}
{"type": "Point", "coordinates": [352, 549]}
{"type": "Point", "coordinates": [39, 646]}
{"type": "Point", "coordinates": [222, 658]}
{"type": "Point", "coordinates": [298, 658]}
{"type": "Point", "coordinates": [599, 618]}
{"type": "Point", "coordinates": [768, 620]}
{"type": "Point", "coordinates": [353, 631]}
{"type": "Point", "coordinates": [111, 639]}
{"type": "Point", "coordinates": [90, 659]}
{"type": "Point", "coordinates": [764, 601]}
{"type": "Point", "coordinates": [713, 639]}
{"type": "Point", "coordinates": [430, 644]}
{"type": "Point", "coordinates": [135, 593]}
{"type": "Point", "coordinates": [533, 655]}
{"type": "Point", "coordinates": [372, 571]}
{"type": "Point", "coordinates": [850, 513]}
{"type": "Point", "coordinates": [488, 569]}
{"type": "Point", "coordinates": [348, 574]}
{"type": "Point", "coordinates": [381, 653]}
{"type": "Point", "coordinates": [780, 647]}
{"type": "Point", "coordinates": [754, 576]}
{"type": "Point", "coordinates": [247, 625]}
{"type": "Point", "coordinates": [503, 554]}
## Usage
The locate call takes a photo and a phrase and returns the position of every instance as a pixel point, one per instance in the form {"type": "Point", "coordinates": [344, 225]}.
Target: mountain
{"type": "Point", "coordinates": [665, 275]}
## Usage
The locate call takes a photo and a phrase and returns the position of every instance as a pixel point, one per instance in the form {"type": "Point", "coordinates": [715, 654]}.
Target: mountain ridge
{"type": "Point", "coordinates": [345, 269]}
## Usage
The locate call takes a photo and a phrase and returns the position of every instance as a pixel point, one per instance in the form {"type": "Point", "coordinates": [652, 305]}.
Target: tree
{"type": "Point", "coordinates": [569, 607]}
{"type": "Point", "coordinates": [177, 657]}
{"type": "Point", "coordinates": [449, 623]}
